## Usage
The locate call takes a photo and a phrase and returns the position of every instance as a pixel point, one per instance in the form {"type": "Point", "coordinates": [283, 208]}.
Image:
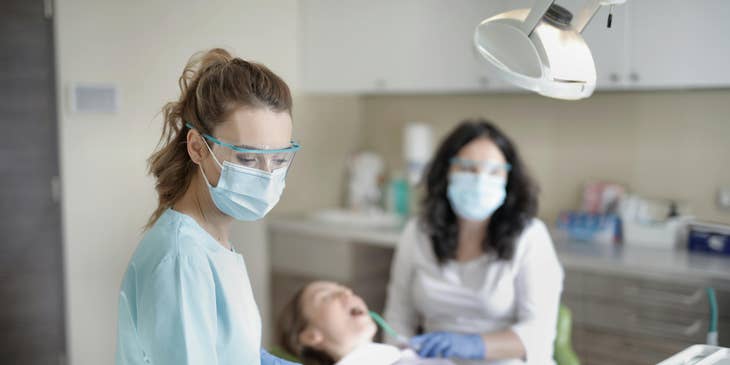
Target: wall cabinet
{"type": "Point", "coordinates": [424, 46]}
{"type": "Point", "coordinates": [679, 44]}
{"type": "Point", "coordinates": [608, 46]}
{"type": "Point", "coordinates": [393, 46]}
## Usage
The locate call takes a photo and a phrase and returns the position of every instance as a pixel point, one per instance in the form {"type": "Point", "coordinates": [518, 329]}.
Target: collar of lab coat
{"type": "Point", "coordinates": [372, 354]}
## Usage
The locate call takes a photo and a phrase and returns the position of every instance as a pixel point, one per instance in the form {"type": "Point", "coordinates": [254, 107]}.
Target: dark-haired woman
{"type": "Point", "coordinates": [477, 272]}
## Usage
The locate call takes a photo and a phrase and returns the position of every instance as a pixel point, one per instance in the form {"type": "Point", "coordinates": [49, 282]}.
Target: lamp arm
{"type": "Point", "coordinates": [585, 14]}
{"type": "Point", "coordinates": [536, 13]}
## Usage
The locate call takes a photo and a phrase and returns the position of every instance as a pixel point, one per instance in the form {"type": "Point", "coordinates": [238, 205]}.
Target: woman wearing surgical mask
{"type": "Point", "coordinates": [224, 153]}
{"type": "Point", "coordinates": [477, 272]}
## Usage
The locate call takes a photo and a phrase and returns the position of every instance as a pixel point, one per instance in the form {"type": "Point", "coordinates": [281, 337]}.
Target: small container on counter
{"type": "Point", "coordinates": [709, 238]}
{"type": "Point", "coordinates": [589, 227]}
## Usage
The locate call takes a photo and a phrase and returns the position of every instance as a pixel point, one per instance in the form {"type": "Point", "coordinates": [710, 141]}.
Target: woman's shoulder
{"type": "Point", "coordinates": [535, 236]}
{"type": "Point", "coordinates": [416, 242]}
{"type": "Point", "coordinates": [172, 238]}
{"type": "Point", "coordinates": [536, 227]}
{"type": "Point", "coordinates": [413, 232]}
{"type": "Point", "coordinates": [412, 227]}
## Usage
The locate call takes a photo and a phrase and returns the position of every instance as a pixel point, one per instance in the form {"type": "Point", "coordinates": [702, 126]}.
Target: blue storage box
{"type": "Point", "coordinates": [590, 227]}
{"type": "Point", "coordinates": [709, 238]}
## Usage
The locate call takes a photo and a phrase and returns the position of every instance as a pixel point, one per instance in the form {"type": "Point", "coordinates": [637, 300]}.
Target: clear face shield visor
{"type": "Point", "coordinates": [491, 168]}
{"type": "Point", "coordinates": [255, 157]}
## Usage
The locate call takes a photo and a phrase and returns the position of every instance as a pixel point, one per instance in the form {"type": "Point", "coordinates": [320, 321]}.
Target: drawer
{"type": "Point", "coordinates": [576, 306]}
{"type": "Point", "coordinates": [723, 327]}
{"type": "Point", "coordinates": [371, 262]}
{"type": "Point", "coordinates": [596, 346]}
{"type": "Point", "coordinates": [337, 260]}
{"type": "Point", "coordinates": [647, 321]}
{"type": "Point", "coordinates": [573, 283]}
{"type": "Point", "coordinates": [685, 295]}
{"type": "Point", "coordinates": [304, 255]}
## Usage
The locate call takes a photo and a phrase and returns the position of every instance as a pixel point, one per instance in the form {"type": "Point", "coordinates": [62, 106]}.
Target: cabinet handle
{"type": "Point", "coordinates": [653, 296]}
{"type": "Point", "coordinates": [614, 77]}
{"type": "Point", "coordinates": [634, 77]}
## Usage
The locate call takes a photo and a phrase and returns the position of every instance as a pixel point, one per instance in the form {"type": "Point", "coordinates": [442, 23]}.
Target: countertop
{"type": "Point", "coordinates": [618, 259]}
{"type": "Point", "coordinates": [383, 237]}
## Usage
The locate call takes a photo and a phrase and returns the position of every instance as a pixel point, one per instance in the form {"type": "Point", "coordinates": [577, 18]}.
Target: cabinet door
{"type": "Point", "coordinates": [395, 46]}
{"type": "Point", "coordinates": [596, 346]}
{"type": "Point", "coordinates": [609, 47]}
{"type": "Point", "coordinates": [446, 59]}
{"type": "Point", "coordinates": [679, 43]}
{"type": "Point", "coordinates": [344, 44]}
{"type": "Point", "coordinates": [426, 45]}
{"type": "Point", "coordinates": [442, 57]}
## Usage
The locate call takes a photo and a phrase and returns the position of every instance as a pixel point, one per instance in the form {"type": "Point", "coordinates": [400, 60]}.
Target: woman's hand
{"type": "Point", "coordinates": [452, 345]}
{"type": "Point", "coordinates": [269, 359]}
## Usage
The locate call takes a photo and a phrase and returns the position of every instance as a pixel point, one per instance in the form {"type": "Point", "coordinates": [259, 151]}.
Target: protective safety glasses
{"type": "Point", "coordinates": [258, 158]}
{"type": "Point", "coordinates": [489, 167]}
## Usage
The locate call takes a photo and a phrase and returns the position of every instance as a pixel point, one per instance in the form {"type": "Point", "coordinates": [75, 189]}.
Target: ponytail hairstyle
{"type": "Point", "coordinates": [212, 86]}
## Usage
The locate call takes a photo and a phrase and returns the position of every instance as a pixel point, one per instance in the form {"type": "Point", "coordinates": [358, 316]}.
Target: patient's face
{"type": "Point", "coordinates": [338, 319]}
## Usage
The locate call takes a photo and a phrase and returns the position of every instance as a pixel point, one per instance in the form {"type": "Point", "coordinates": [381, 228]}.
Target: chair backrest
{"type": "Point", "coordinates": [279, 352]}
{"type": "Point", "coordinates": [563, 353]}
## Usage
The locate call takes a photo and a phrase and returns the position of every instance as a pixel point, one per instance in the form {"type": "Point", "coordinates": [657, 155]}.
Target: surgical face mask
{"type": "Point", "coordinates": [475, 196]}
{"type": "Point", "coordinates": [246, 193]}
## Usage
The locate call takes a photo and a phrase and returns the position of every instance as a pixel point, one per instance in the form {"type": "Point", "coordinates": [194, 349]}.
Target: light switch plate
{"type": "Point", "coordinates": [94, 98]}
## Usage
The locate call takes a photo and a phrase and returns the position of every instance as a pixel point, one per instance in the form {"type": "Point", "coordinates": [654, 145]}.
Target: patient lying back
{"type": "Point", "coordinates": [326, 324]}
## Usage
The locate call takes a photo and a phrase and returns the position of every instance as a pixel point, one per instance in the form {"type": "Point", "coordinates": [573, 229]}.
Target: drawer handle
{"type": "Point", "coordinates": [653, 296]}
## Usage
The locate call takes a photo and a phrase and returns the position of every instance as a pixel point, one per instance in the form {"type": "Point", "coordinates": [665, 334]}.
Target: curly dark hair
{"type": "Point", "coordinates": [506, 224]}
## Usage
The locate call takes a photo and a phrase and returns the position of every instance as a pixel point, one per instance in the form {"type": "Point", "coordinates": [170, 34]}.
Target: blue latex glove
{"type": "Point", "coordinates": [450, 345]}
{"type": "Point", "coordinates": [269, 359]}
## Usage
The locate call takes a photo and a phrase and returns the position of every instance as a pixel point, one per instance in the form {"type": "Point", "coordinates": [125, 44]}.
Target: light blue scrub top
{"type": "Point", "coordinates": [185, 299]}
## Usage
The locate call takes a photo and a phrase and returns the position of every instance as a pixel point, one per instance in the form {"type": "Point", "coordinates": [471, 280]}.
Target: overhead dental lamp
{"type": "Point", "coordinates": [541, 48]}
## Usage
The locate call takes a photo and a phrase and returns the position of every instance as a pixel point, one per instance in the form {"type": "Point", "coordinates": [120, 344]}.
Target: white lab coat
{"type": "Point", "coordinates": [479, 296]}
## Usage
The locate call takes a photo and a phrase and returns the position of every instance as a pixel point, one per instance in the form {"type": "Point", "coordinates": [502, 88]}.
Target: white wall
{"type": "Point", "coordinates": [660, 144]}
{"type": "Point", "coordinates": [330, 130]}
{"type": "Point", "coordinates": [140, 46]}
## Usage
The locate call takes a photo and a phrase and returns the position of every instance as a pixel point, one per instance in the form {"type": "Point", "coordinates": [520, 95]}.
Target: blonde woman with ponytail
{"type": "Point", "coordinates": [224, 154]}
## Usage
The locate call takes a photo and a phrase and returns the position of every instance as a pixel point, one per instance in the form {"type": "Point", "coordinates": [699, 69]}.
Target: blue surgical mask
{"type": "Point", "coordinates": [476, 196]}
{"type": "Point", "coordinates": [246, 193]}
